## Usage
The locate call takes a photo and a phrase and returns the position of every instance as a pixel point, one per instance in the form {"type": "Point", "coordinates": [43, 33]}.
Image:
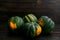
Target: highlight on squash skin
{"type": "Point", "coordinates": [41, 22]}
{"type": "Point", "coordinates": [13, 25]}
{"type": "Point", "coordinates": [39, 30]}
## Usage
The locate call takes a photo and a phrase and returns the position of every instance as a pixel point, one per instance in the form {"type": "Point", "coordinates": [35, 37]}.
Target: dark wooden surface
{"type": "Point", "coordinates": [55, 35]}
{"type": "Point", "coordinates": [49, 8]}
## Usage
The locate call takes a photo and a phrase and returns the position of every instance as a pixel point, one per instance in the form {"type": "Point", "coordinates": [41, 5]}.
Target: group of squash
{"type": "Point", "coordinates": [30, 25]}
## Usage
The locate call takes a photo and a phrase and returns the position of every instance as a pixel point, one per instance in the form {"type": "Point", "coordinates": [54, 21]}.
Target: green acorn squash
{"type": "Point", "coordinates": [30, 18]}
{"type": "Point", "coordinates": [15, 23]}
{"type": "Point", "coordinates": [32, 29]}
{"type": "Point", "coordinates": [46, 23]}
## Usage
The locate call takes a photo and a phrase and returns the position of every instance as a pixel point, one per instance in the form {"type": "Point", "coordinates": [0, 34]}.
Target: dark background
{"type": "Point", "coordinates": [50, 8]}
{"type": "Point", "coordinates": [9, 8]}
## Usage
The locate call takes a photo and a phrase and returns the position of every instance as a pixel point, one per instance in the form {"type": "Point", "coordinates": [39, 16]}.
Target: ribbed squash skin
{"type": "Point", "coordinates": [15, 23]}
{"type": "Point", "coordinates": [32, 29]}
{"type": "Point", "coordinates": [46, 23]}
{"type": "Point", "coordinates": [30, 18]}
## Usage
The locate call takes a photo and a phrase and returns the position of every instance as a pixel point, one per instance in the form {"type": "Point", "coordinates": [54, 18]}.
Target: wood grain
{"type": "Point", "coordinates": [49, 8]}
{"type": "Point", "coordinates": [55, 35]}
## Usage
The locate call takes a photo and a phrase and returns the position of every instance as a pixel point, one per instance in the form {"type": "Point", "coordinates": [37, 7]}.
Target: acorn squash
{"type": "Point", "coordinates": [32, 29]}
{"type": "Point", "coordinates": [46, 23]}
{"type": "Point", "coordinates": [15, 23]}
{"type": "Point", "coordinates": [30, 18]}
